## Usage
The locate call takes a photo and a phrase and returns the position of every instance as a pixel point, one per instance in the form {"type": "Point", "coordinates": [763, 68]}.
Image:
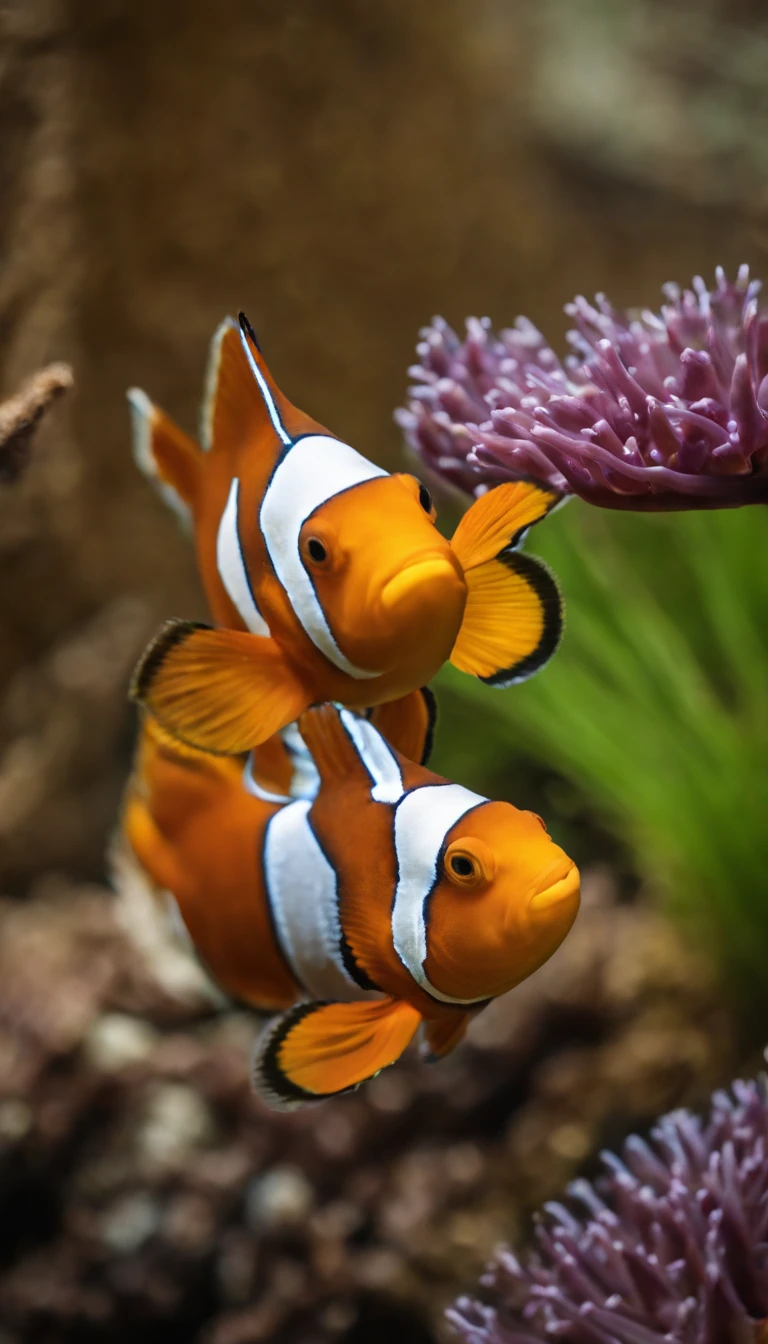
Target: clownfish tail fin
{"type": "Point", "coordinates": [318, 1050]}
{"type": "Point", "coordinates": [167, 456]}
{"type": "Point", "coordinates": [220, 691]}
{"type": "Point", "coordinates": [513, 618]}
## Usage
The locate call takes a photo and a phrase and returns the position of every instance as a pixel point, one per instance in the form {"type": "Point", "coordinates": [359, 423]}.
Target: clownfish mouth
{"type": "Point", "coordinates": [557, 893]}
{"type": "Point", "coordinates": [421, 574]}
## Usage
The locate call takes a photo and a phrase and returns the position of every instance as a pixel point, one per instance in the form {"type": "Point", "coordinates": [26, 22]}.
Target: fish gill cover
{"type": "Point", "coordinates": [649, 410]}
{"type": "Point", "coordinates": [669, 1247]}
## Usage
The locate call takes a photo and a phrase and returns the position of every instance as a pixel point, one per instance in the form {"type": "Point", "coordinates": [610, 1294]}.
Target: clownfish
{"type": "Point", "coordinates": [326, 575]}
{"type": "Point", "coordinates": [393, 901]}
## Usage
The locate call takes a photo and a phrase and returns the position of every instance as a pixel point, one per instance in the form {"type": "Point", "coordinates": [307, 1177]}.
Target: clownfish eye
{"type": "Point", "coordinates": [462, 866]}
{"type": "Point", "coordinates": [425, 499]}
{"type": "Point", "coordinates": [469, 864]}
{"type": "Point", "coordinates": [316, 550]}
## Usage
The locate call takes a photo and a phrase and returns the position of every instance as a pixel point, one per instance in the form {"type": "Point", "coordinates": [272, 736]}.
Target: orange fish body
{"type": "Point", "coordinates": [197, 834]}
{"type": "Point", "coordinates": [327, 575]}
{"type": "Point", "coordinates": [392, 901]}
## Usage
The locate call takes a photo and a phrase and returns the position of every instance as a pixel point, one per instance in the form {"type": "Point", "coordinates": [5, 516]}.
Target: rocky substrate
{"type": "Point", "coordinates": [144, 1193]}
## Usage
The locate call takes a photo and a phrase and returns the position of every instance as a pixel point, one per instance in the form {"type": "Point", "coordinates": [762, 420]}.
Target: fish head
{"type": "Point", "coordinates": [390, 586]}
{"type": "Point", "coordinates": [506, 896]}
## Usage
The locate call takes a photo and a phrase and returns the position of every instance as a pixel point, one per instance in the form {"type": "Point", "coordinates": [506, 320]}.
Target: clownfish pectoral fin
{"type": "Point", "coordinates": [499, 519]}
{"type": "Point", "coordinates": [442, 1034]}
{"type": "Point", "coordinates": [408, 724]}
{"type": "Point", "coordinates": [513, 617]}
{"type": "Point", "coordinates": [317, 1050]}
{"type": "Point", "coordinates": [166, 455]}
{"type": "Point", "coordinates": [223, 691]}
{"type": "Point", "coordinates": [513, 620]}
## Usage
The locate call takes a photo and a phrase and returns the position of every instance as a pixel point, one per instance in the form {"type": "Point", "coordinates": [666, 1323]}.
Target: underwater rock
{"type": "Point", "coordinates": [143, 1184]}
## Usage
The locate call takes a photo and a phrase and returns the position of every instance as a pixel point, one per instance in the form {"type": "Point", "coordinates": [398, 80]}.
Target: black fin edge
{"type": "Point", "coordinates": [430, 700]}
{"type": "Point", "coordinates": [248, 331]}
{"type": "Point", "coordinates": [268, 1078]}
{"type": "Point", "coordinates": [544, 584]}
{"type": "Point", "coordinates": [519, 536]}
{"type": "Point", "coordinates": [172, 633]}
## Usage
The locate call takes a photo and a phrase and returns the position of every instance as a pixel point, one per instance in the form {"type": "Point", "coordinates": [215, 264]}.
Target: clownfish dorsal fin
{"type": "Point", "coordinates": [408, 724]}
{"type": "Point", "coordinates": [218, 690]}
{"type": "Point", "coordinates": [345, 747]}
{"type": "Point", "coordinates": [240, 406]}
{"type": "Point", "coordinates": [243, 406]}
{"type": "Point", "coordinates": [317, 1050]}
{"type": "Point", "coordinates": [513, 617]}
{"type": "Point", "coordinates": [167, 456]}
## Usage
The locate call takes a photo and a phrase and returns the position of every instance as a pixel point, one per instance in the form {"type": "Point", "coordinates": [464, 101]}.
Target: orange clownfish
{"type": "Point", "coordinates": [391, 901]}
{"type": "Point", "coordinates": [328, 574]}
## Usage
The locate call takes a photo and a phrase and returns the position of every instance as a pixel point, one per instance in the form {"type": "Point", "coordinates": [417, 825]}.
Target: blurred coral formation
{"type": "Point", "coordinates": [672, 1243]}
{"type": "Point", "coordinates": [344, 171]}
{"type": "Point", "coordinates": [648, 411]}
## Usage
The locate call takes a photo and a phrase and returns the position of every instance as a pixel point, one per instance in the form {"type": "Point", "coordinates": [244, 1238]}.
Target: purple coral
{"type": "Point", "coordinates": [673, 1251]}
{"type": "Point", "coordinates": [648, 411]}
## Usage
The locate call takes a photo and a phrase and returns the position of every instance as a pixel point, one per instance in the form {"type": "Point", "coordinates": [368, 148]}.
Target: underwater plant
{"type": "Point", "coordinates": [649, 411]}
{"type": "Point", "coordinates": [669, 1246]}
{"type": "Point", "coordinates": [655, 712]}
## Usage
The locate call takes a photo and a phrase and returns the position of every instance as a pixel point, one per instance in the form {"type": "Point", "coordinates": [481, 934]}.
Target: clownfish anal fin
{"type": "Point", "coordinates": [498, 520]}
{"type": "Point", "coordinates": [408, 724]}
{"type": "Point", "coordinates": [219, 690]}
{"type": "Point", "coordinates": [317, 1050]}
{"type": "Point", "coordinates": [166, 455]}
{"type": "Point", "coordinates": [513, 619]}
{"type": "Point", "coordinates": [443, 1034]}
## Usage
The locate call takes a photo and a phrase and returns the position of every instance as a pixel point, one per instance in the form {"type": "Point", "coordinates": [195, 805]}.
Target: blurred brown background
{"type": "Point", "coordinates": [341, 171]}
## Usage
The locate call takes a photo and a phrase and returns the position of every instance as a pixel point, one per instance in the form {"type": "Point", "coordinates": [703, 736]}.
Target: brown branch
{"type": "Point", "coordinates": [21, 413]}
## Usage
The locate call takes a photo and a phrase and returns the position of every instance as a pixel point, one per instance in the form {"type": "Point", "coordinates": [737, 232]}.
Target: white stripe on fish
{"type": "Point", "coordinates": [422, 822]}
{"type": "Point", "coordinates": [231, 565]}
{"type": "Point", "coordinates": [377, 757]}
{"type": "Point", "coordinates": [316, 468]}
{"type": "Point", "coordinates": [302, 891]}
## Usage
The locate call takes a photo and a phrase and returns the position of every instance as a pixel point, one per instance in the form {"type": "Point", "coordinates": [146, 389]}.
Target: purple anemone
{"type": "Point", "coordinates": [648, 411]}
{"type": "Point", "coordinates": [669, 1247]}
